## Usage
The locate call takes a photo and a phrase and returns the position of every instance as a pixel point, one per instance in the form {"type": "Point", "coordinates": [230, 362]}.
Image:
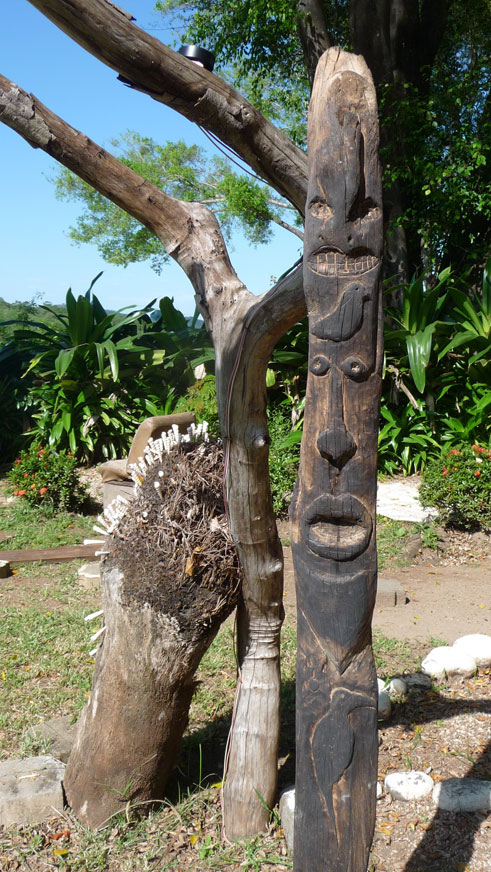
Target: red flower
{"type": "Point", "coordinates": [42, 490]}
{"type": "Point", "coordinates": [20, 493]}
{"type": "Point", "coordinates": [478, 449]}
{"type": "Point", "coordinates": [16, 493]}
{"type": "Point", "coordinates": [19, 460]}
{"type": "Point", "coordinates": [26, 475]}
{"type": "Point", "coordinates": [454, 451]}
{"type": "Point", "coordinates": [477, 473]}
{"type": "Point", "coordinates": [445, 471]}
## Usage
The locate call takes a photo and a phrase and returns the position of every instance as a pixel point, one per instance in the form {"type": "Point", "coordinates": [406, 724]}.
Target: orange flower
{"type": "Point", "coordinates": [445, 471]}
{"type": "Point", "coordinates": [477, 473]}
{"type": "Point", "coordinates": [42, 490]}
{"type": "Point", "coordinates": [26, 475]}
{"type": "Point", "coordinates": [33, 486]}
{"type": "Point", "coordinates": [20, 493]}
{"type": "Point", "coordinates": [454, 451]}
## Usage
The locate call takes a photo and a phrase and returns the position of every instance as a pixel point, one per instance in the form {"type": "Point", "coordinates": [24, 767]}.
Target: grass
{"type": "Point", "coordinates": [31, 527]}
{"type": "Point", "coordinates": [45, 671]}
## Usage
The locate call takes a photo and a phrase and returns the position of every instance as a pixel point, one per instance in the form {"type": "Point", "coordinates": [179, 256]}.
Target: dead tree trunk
{"type": "Point", "coordinates": [252, 764]}
{"type": "Point", "coordinates": [333, 513]}
{"type": "Point", "coordinates": [244, 329]}
{"type": "Point", "coordinates": [130, 732]}
{"type": "Point", "coordinates": [169, 578]}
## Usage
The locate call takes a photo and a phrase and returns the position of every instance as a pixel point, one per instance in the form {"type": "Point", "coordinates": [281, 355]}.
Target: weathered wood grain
{"type": "Point", "coordinates": [50, 555]}
{"type": "Point", "coordinates": [333, 513]}
{"type": "Point", "coordinates": [164, 75]}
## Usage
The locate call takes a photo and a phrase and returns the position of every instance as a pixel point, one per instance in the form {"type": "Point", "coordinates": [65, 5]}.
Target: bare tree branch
{"type": "Point", "coordinates": [313, 34]}
{"type": "Point", "coordinates": [166, 76]}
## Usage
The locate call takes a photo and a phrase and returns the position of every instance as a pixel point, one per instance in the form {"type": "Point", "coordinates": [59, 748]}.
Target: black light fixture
{"type": "Point", "coordinates": [199, 55]}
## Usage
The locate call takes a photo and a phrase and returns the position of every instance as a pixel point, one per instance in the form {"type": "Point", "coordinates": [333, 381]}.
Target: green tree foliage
{"type": "Point", "coordinates": [240, 202]}
{"type": "Point", "coordinates": [95, 375]}
{"type": "Point", "coordinates": [435, 120]}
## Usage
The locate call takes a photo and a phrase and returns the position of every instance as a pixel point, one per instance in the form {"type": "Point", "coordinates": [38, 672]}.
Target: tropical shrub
{"type": "Point", "coordinates": [95, 375]}
{"type": "Point", "coordinates": [41, 476]}
{"type": "Point", "coordinates": [284, 454]}
{"type": "Point", "coordinates": [201, 399]}
{"type": "Point", "coordinates": [472, 316]}
{"type": "Point", "coordinates": [410, 337]}
{"type": "Point", "coordinates": [406, 441]}
{"type": "Point", "coordinates": [459, 485]}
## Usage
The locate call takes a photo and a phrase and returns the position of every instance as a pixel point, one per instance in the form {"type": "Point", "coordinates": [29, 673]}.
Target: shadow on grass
{"type": "Point", "coordinates": [201, 759]}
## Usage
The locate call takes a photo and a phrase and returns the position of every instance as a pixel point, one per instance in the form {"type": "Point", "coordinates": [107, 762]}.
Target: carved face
{"type": "Point", "coordinates": [342, 256]}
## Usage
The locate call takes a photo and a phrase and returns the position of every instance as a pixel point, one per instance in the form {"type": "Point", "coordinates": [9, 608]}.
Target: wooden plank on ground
{"type": "Point", "coordinates": [51, 555]}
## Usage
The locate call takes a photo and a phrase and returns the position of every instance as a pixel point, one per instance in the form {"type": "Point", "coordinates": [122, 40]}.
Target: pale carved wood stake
{"type": "Point", "coordinates": [333, 512]}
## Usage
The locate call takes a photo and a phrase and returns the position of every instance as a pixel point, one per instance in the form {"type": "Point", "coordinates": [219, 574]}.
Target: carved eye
{"type": "Point", "coordinates": [320, 209]}
{"type": "Point", "coordinates": [355, 369]}
{"type": "Point", "coordinates": [320, 364]}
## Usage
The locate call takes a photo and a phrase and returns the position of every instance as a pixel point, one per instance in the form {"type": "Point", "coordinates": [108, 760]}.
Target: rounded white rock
{"type": "Point", "coordinates": [477, 645]}
{"type": "Point", "coordinates": [287, 815]}
{"type": "Point", "coordinates": [408, 785]}
{"type": "Point", "coordinates": [397, 687]}
{"type": "Point", "coordinates": [463, 795]}
{"type": "Point", "coordinates": [384, 706]}
{"type": "Point", "coordinates": [380, 684]}
{"type": "Point", "coordinates": [450, 661]}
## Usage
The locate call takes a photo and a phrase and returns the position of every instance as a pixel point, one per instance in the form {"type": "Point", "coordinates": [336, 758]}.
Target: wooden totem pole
{"type": "Point", "coordinates": [333, 512]}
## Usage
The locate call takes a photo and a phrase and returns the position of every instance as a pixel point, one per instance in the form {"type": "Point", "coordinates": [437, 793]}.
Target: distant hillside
{"type": "Point", "coordinates": [24, 312]}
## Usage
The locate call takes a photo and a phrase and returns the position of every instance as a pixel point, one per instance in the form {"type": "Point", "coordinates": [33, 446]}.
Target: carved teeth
{"type": "Point", "coordinates": [333, 263]}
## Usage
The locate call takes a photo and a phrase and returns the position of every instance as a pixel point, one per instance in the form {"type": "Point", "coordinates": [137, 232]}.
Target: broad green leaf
{"type": "Point", "coordinates": [100, 357]}
{"type": "Point", "coordinates": [172, 317]}
{"type": "Point", "coordinates": [419, 350]}
{"type": "Point", "coordinates": [64, 360]}
{"type": "Point", "coordinates": [270, 378]}
{"type": "Point", "coordinates": [66, 417]}
{"type": "Point", "coordinates": [486, 288]}
{"type": "Point", "coordinates": [113, 357]}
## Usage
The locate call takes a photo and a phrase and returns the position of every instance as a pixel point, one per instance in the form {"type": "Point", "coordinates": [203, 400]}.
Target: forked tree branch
{"type": "Point", "coordinates": [152, 67]}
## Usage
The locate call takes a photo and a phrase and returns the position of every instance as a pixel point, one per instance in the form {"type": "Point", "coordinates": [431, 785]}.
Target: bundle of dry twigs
{"type": "Point", "coordinates": [172, 541]}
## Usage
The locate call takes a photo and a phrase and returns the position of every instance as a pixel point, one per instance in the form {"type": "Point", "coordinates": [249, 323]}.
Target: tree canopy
{"type": "Point", "coordinates": [431, 68]}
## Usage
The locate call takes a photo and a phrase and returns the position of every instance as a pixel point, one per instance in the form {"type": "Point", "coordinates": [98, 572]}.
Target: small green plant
{"type": "Point", "coordinates": [201, 398]}
{"type": "Point", "coordinates": [41, 476]}
{"type": "Point", "coordinates": [459, 485]}
{"type": "Point", "coordinates": [284, 454]}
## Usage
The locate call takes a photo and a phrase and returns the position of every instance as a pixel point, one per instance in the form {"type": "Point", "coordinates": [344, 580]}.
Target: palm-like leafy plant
{"type": "Point", "coordinates": [96, 374]}
{"type": "Point", "coordinates": [473, 316]}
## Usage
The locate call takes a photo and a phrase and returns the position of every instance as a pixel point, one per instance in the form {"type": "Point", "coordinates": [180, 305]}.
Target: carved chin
{"type": "Point", "coordinates": [334, 263]}
{"type": "Point", "coordinates": [338, 528]}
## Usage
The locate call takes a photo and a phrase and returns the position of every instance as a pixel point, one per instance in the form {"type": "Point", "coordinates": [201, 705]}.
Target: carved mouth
{"type": "Point", "coordinates": [337, 527]}
{"type": "Point", "coordinates": [327, 262]}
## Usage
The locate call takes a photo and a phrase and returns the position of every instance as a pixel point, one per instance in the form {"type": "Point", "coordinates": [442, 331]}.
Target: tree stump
{"type": "Point", "coordinates": [169, 578]}
{"type": "Point", "coordinates": [333, 512]}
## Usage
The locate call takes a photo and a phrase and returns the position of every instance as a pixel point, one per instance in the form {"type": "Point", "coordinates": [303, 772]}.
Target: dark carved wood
{"type": "Point", "coordinates": [333, 513]}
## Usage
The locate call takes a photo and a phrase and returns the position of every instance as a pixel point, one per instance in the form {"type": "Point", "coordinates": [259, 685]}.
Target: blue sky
{"type": "Point", "coordinates": [36, 255]}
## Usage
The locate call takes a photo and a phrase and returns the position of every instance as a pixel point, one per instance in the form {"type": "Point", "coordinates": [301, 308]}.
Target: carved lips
{"type": "Point", "coordinates": [326, 262]}
{"type": "Point", "coordinates": [337, 527]}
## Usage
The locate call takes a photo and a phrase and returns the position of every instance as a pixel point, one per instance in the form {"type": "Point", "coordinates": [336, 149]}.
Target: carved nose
{"type": "Point", "coordinates": [337, 445]}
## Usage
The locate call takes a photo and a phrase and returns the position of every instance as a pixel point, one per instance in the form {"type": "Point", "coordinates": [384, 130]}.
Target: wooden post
{"type": "Point", "coordinates": [333, 513]}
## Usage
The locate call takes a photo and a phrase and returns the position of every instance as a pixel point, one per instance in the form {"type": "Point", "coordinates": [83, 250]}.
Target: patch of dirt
{"type": "Point", "coordinates": [25, 589]}
{"type": "Point", "coordinates": [447, 590]}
